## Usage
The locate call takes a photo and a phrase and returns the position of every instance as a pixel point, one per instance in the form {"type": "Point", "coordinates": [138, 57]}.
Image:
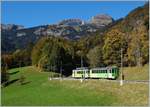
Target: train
{"type": "Point", "coordinates": [104, 72]}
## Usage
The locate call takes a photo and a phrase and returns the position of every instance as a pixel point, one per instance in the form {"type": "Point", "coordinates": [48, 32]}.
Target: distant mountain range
{"type": "Point", "coordinates": [16, 36]}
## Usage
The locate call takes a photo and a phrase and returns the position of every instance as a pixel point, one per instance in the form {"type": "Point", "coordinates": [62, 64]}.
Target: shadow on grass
{"type": "Point", "coordinates": [10, 82]}
{"type": "Point", "coordinates": [13, 81]}
{"type": "Point", "coordinates": [26, 83]}
{"type": "Point", "coordinates": [15, 72]}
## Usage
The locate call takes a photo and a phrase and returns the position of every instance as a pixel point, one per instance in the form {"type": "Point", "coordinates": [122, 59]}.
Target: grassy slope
{"type": "Point", "coordinates": [40, 91]}
{"type": "Point", "coordinates": [136, 73]}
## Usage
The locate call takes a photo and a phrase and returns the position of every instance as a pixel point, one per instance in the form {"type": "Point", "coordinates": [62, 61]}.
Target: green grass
{"type": "Point", "coordinates": [38, 90]}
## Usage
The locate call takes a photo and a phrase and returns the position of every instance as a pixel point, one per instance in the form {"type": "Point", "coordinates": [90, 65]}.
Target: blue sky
{"type": "Point", "coordinates": [35, 13]}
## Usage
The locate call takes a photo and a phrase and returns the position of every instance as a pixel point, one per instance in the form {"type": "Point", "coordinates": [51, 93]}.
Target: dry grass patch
{"type": "Point", "coordinates": [136, 73]}
{"type": "Point", "coordinates": [127, 95]}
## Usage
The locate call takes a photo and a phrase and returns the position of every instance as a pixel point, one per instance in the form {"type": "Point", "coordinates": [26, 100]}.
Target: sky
{"type": "Point", "coordinates": [34, 13]}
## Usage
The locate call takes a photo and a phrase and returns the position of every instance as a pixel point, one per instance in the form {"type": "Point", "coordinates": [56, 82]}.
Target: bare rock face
{"type": "Point", "coordinates": [101, 20]}
{"type": "Point", "coordinates": [11, 27]}
{"type": "Point", "coordinates": [71, 22]}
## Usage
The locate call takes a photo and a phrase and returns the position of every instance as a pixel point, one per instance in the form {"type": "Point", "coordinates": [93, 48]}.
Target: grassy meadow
{"type": "Point", "coordinates": [37, 90]}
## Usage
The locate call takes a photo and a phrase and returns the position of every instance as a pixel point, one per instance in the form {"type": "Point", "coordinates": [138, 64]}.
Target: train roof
{"type": "Point", "coordinates": [103, 68]}
{"type": "Point", "coordinates": [81, 68]}
{"type": "Point", "coordinates": [98, 68]}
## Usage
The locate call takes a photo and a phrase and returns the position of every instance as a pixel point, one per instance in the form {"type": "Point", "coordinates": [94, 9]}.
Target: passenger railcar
{"type": "Point", "coordinates": [80, 72]}
{"type": "Point", "coordinates": [105, 72]}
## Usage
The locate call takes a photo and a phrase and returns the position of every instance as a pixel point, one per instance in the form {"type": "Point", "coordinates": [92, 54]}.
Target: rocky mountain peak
{"type": "Point", "coordinates": [71, 22]}
{"type": "Point", "coordinates": [101, 20]}
{"type": "Point", "coordinates": [11, 27]}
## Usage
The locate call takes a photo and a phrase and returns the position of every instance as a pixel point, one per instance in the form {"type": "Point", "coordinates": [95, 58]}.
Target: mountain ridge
{"type": "Point", "coordinates": [18, 37]}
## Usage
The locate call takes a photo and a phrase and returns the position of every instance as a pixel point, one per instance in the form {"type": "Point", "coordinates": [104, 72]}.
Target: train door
{"type": "Point", "coordinates": [88, 73]}
{"type": "Point", "coordinates": [85, 73]}
{"type": "Point", "coordinates": [109, 71]}
{"type": "Point", "coordinates": [73, 73]}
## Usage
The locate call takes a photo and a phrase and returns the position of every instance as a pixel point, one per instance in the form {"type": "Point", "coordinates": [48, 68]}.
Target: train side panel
{"type": "Point", "coordinates": [80, 74]}
{"type": "Point", "coordinates": [98, 74]}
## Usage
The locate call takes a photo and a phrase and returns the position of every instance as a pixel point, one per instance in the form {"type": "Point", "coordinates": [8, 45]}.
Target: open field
{"type": "Point", "coordinates": [38, 90]}
{"type": "Point", "coordinates": [136, 73]}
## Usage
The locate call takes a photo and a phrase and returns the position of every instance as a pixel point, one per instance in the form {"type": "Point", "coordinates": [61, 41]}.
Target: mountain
{"type": "Point", "coordinates": [9, 27]}
{"type": "Point", "coordinates": [101, 20]}
{"type": "Point", "coordinates": [71, 22]}
{"type": "Point", "coordinates": [17, 37]}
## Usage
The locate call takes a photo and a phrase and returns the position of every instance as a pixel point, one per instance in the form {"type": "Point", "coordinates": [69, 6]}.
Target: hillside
{"type": "Point", "coordinates": [38, 90]}
{"type": "Point", "coordinates": [17, 37]}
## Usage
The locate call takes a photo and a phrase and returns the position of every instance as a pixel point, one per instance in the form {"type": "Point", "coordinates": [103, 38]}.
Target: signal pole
{"type": "Point", "coordinates": [61, 70]}
{"type": "Point", "coordinates": [121, 80]}
{"type": "Point", "coordinates": [81, 61]}
{"type": "Point", "coordinates": [50, 78]}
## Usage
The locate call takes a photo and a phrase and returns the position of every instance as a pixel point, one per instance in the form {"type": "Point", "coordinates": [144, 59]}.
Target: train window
{"type": "Point", "coordinates": [94, 71]}
{"type": "Point", "coordinates": [79, 72]}
{"type": "Point", "coordinates": [112, 70]}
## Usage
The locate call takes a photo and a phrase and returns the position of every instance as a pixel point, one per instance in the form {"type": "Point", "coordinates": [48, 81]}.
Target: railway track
{"type": "Point", "coordinates": [125, 81]}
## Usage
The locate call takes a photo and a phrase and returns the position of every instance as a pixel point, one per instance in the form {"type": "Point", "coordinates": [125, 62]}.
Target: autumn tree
{"type": "Point", "coordinates": [114, 41]}
{"type": "Point", "coordinates": [52, 52]}
{"type": "Point", "coordinates": [138, 45]}
{"type": "Point", "coordinates": [95, 57]}
{"type": "Point", "coordinates": [4, 74]}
